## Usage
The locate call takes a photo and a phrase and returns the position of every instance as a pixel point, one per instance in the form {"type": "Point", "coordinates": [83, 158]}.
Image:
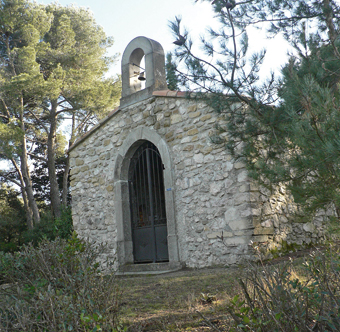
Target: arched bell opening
{"type": "Point", "coordinates": [153, 70]}
{"type": "Point", "coordinates": [147, 206]}
{"type": "Point", "coordinates": [137, 70]}
{"type": "Point", "coordinates": [142, 77]}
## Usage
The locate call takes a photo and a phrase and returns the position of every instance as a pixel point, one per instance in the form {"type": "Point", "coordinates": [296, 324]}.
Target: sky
{"type": "Point", "coordinates": [126, 19]}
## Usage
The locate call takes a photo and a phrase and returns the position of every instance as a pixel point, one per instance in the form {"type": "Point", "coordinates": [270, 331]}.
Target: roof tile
{"type": "Point", "coordinates": [168, 93]}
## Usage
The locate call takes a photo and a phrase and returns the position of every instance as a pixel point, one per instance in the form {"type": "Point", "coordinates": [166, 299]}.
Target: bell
{"type": "Point", "coordinates": [141, 76]}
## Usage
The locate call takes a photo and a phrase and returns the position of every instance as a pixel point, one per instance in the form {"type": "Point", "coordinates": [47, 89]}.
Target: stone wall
{"type": "Point", "coordinates": [212, 194]}
{"type": "Point", "coordinates": [276, 223]}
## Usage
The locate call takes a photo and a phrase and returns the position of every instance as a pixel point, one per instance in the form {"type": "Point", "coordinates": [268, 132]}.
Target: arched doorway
{"type": "Point", "coordinates": [147, 205]}
{"type": "Point", "coordinates": [123, 160]}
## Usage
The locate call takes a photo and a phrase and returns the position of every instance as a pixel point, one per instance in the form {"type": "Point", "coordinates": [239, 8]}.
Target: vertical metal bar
{"type": "Point", "coordinates": [155, 197]}
{"type": "Point", "coordinates": [159, 194]}
{"type": "Point", "coordinates": [141, 207]}
{"type": "Point", "coordinates": [151, 203]}
{"type": "Point", "coordinates": [146, 208]}
{"type": "Point", "coordinates": [140, 186]}
{"type": "Point", "coordinates": [137, 184]}
{"type": "Point", "coordinates": [162, 189]}
{"type": "Point", "coordinates": [133, 196]}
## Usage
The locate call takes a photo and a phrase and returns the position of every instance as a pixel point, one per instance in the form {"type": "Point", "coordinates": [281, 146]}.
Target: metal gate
{"type": "Point", "coordinates": [147, 204]}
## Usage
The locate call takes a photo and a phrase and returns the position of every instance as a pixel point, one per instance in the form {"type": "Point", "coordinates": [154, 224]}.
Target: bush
{"type": "Point", "coordinates": [57, 286]}
{"type": "Point", "coordinates": [12, 219]}
{"type": "Point", "coordinates": [64, 225]}
{"type": "Point", "coordinates": [13, 224]}
{"type": "Point", "coordinates": [276, 300]}
{"type": "Point", "coordinates": [50, 228]}
{"type": "Point", "coordinates": [45, 229]}
{"type": "Point", "coordinates": [11, 233]}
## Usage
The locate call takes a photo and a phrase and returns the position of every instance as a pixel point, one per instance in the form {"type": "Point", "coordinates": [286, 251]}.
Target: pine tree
{"type": "Point", "coordinates": [12, 219]}
{"type": "Point", "coordinates": [53, 66]}
{"type": "Point", "coordinates": [171, 75]}
{"type": "Point", "coordinates": [288, 128]}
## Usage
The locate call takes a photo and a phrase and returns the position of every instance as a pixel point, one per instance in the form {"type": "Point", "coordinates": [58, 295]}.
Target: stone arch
{"type": "Point", "coordinates": [154, 68]}
{"type": "Point", "coordinates": [122, 200]}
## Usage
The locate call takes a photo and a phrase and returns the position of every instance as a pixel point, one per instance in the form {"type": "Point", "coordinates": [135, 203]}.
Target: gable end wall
{"type": "Point", "coordinates": [212, 194]}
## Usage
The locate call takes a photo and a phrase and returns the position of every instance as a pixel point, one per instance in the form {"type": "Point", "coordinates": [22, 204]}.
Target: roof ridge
{"type": "Point", "coordinates": [169, 93]}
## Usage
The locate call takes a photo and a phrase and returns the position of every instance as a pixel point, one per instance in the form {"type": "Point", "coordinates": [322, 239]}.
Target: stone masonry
{"type": "Point", "coordinates": [213, 208]}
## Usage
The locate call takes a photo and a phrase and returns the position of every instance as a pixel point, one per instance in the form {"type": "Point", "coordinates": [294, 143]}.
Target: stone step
{"type": "Point", "coordinates": [150, 268]}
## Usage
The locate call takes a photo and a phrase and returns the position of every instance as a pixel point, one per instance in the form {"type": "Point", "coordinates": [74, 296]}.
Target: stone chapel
{"type": "Point", "coordinates": [149, 181]}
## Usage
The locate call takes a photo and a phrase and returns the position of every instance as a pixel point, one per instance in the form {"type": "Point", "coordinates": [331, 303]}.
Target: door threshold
{"type": "Point", "coordinates": [149, 268]}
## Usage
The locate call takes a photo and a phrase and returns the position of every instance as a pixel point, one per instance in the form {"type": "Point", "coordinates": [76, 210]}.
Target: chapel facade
{"type": "Point", "coordinates": [149, 181]}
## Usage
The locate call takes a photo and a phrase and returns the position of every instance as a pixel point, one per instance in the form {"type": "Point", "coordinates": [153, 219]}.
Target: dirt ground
{"type": "Point", "coordinates": [169, 302]}
{"type": "Point", "coordinates": [185, 300]}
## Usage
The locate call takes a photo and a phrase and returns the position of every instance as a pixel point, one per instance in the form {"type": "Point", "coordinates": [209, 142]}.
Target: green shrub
{"type": "Point", "coordinates": [275, 299]}
{"type": "Point", "coordinates": [50, 228]}
{"type": "Point", "coordinates": [12, 219]}
{"type": "Point", "coordinates": [44, 230]}
{"type": "Point", "coordinates": [58, 286]}
{"type": "Point", "coordinates": [64, 225]}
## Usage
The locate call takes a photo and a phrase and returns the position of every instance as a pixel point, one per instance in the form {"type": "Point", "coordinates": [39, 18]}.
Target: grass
{"type": "Point", "coordinates": [170, 302]}
{"type": "Point", "coordinates": [185, 300]}
{"type": "Point", "coordinates": [177, 301]}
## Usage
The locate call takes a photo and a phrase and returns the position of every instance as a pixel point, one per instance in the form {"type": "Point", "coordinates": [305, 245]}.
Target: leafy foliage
{"type": "Point", "coordinates": [286, 130]}
{"type": "Point", "coordinates": [58, 286]}
{"type": "Point", "coordinates": [13, 228]}
{"type": "Point", "coordinates": [171, 75]}
{"type": "Point", "coordinates": [12, 220]}
{"type": "Point", "coordinates": [275, 300]}
{"type": "Point", "coordinates": [42, 185]}
{"type": "Point", "coordinates": [53, 64]}
{"type": "Point", "coordinates": [45, 230]}
{"type": "Point", "coordinates": [50, 228]}
{"type": "Point", "coordinates": [63, 225]}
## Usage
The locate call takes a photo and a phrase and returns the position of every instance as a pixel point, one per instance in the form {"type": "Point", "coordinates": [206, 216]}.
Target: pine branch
{"type": "Point", "coordinates": [40, 122]}
{"type": "Point", "coordinates": [37, 157]}
{"type": "Point", "coordinates": [8, 178]}
{"type": "Point", "coordinates": [6, 108]}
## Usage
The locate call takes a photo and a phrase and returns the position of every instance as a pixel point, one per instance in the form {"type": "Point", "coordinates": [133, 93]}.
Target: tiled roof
{"type": "Point", "coordinates": [169, 93]}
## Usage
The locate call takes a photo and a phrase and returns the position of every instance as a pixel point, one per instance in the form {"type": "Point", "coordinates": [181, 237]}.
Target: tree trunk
{"type": "Point", "coordinates": [26, 175]}
{"type": "Point", "coordinates": [52, 174]}
{"type": "Point", "coordinates": [67, 166]}
{"type": "Point", "coordinates": [30, 203]}
{"type": "Point", "coordinates": [65, 181]}
{"type": "Point", "coordinates": [28, 184]}
{"type": "Point", "coordinates": [28, 210]}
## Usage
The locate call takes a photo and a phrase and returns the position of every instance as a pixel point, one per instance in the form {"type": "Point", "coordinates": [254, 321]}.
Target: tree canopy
{"type": "Point", "coordinates": [285, 128]}
{"type": "Point", "coordinates": [53, 68]}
